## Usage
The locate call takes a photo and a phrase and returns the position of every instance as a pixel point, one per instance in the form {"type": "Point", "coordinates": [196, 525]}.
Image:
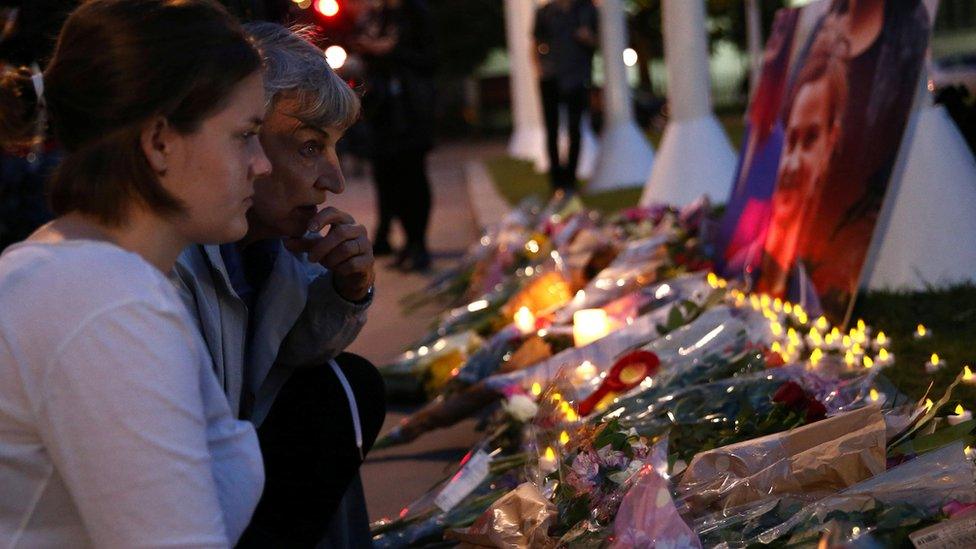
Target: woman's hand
{"type": "Point", "coordinates": [345, 250]}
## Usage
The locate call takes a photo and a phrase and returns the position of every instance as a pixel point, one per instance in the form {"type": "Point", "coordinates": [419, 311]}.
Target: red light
{"type": "Point", "coordinates": [328, 8]}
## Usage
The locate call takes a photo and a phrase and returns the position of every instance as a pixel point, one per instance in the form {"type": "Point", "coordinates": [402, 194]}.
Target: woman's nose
{"type": "Point", "coordinates": [260, 163]}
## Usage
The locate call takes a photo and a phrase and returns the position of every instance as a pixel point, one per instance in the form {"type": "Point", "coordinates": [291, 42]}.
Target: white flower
{"type": "Point", "coordinates": [632, 469]}
{"type": "Point", "coordinates": [521, 407]}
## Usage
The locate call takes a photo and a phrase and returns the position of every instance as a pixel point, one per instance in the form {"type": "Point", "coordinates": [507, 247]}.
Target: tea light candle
{"type": "Point", "coordinates": [525, 320]}
{"type": "Point", "coordinates": [960, 415]}
{"type": "Point", "coordinates": [590, 325]}
{"type": "Point", "coordinates": [547, 462]}
{"type": "Point", "coordinates": [585, 371]}
{"type": "Point", "coordinates": [967, 375]}
{"type": "Point", "coordinates": [934, 364]}
{"type": "Point", "coordinates": [885, 358]}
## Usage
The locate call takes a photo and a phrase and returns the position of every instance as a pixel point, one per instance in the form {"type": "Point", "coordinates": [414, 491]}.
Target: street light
{"type": "Point", "coordinates": [335, 56]}
{"type": "Point", "coordinates": [328, 8]}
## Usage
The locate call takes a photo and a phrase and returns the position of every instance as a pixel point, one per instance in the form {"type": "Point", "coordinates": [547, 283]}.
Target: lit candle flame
{"type": "Point", "coordinates": [536, 389]}
{"type": "Point", "coordinates": [563, 438]}
{"type": "Point", "coordinates": [935, 358]}
{"type": "Point", "coordinates": [874, 396]}
{"type": "Point", "coordinates": [868, 362]}
{"type": "Point", "coordinates": [550, 454]}
{"type": "Point", "coordinates": [525, 320]}
{"type": "Point", "coordinates": [883, 354]}
{"type": "Point", "coordinates": [882, 338]}
{"type": "Point", "coordinates": [815, 356]}
{"type": "Point", "coordinates": [849, 358]}
{"type": "Point", "coordinates": [822, 323]}
{"type": "Point", "coordinates": [861, 325]}
{"type": "Point", "coordinates": [921, 330]}
{"type": "Point", "coordinates": [929, 404]}
{"type": "Point", "coordinates": [967, 373]}
{"type": "Point", "coordinates": [959, 410]}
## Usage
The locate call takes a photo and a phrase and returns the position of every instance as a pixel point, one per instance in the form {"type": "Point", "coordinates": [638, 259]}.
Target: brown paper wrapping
{"type": "Point", "coordinates": [518, 520]}
{"type": "Point", "coordinates": [822, 457]}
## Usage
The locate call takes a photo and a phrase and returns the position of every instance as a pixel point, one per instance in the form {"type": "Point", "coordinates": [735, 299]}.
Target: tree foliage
{"type": "Point", "coordinates": [466, 31]}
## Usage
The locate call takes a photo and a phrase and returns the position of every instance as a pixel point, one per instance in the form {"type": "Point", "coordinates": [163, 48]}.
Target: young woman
{"type": "Point", "coordinates": [113, 429]}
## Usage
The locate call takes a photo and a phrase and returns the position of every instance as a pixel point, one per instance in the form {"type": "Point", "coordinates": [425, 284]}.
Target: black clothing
{"type": "Point", "coordinates": [23, 204]}
{"type": "Point", "coordinates": [310, 454]}
{"type": "Point", "coordinates": [563, 176]}
{"type": "Point", "coordinates": [399, 98]}
{"type": "Point", "coordinates": [562, 57]}
{"type": "Point", "coordinates": [566, 66]}
{"type": "Point", "coordinates": [403, 191]}
{"type": "Point", "coordinates": [399, 109]}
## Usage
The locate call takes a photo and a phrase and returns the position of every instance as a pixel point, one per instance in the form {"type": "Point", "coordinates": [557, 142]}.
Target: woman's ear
{"type": "Point", "coordinates": [156, 142]}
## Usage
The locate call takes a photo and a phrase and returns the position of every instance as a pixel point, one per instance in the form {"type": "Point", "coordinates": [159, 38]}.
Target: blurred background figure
{"type": "Point", "coordinates": [397, 46]}
{"type": "Point", "coordinates": [28, 29]}
{"type": "Point", "coordinates": [565, 39]}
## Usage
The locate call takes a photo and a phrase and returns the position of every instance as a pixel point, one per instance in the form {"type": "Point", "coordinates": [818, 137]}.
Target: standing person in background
{"type": "Point", "coordinates": [399, 104]}
{"type": "Point", "coordinates": [113, 429]}
{"type": "Point", "coordinates": [565, 33]}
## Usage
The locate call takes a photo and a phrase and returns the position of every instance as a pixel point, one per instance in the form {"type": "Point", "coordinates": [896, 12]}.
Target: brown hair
{"type": "Point", "coordinates": [827, 61]}
{"type": "Point", "coordinates": [118, 64]}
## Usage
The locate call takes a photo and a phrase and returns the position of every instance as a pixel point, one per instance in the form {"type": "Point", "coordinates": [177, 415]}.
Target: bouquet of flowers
{"type": "Point", "coordinates": [886, 508]}
{"type": "Point", "coordinates": [593, 476]}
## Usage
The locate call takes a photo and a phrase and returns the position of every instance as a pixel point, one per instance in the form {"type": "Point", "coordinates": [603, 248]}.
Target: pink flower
{"type": "Point", "coordinates": [954, 508]}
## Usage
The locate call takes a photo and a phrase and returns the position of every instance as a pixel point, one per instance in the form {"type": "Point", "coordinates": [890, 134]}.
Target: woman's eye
{"type": "Point", "coordinates": [311, 149]}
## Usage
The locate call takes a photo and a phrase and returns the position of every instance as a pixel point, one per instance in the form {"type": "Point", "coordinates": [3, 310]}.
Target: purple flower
{"type": "Point", "coordinates": [586, 465]}
{"type": "Point", "coordinates": [612, 459]}
{"type": "Point", "coordinates": [580, 485]}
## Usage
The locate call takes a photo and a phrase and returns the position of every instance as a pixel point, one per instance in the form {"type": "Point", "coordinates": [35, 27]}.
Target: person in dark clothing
{"type": "Point", "coordinates": [28, 30]}
{"type": "Point", "coordinates": [399, 105]}
{"type": "Point", "coordinates": [565, 39]}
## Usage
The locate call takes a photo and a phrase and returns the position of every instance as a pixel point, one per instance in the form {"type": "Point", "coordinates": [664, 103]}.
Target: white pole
{"type": "Point", "coordinates": [924, 231]}
{"type": "Point", "coordinates": [528, 135]}
{"type": "Point", "coordinates": [625, 155]}
{"type": "Point", "coordinates": [695, 157]}
{"type": "Point", "coordinates": [754, 40]}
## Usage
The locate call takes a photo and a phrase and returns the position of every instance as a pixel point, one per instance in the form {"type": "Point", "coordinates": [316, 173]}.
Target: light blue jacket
{"type": "Point", "coordinates": [301, 322]}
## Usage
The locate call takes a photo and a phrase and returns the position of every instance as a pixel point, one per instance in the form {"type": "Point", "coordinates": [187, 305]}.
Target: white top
{"type": "Point", "coordinates": [113, 430]}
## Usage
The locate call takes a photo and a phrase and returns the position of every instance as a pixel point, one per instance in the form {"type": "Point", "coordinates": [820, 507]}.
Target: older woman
{"type": "Point", "coordinates": [278, 306]}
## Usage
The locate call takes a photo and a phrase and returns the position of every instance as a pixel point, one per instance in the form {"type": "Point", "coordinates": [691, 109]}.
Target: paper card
{"type": "Point", "coordinates": [953, 533]}
{"type": "Point", "coordinates": [473, 473]}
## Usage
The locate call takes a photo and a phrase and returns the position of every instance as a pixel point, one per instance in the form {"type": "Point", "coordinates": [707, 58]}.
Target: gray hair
{"type": "Point", "coordinates": [297, 67]}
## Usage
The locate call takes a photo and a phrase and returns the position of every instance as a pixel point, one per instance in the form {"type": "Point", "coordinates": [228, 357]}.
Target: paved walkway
{"type": "Point", "coordinates": [396, 476]}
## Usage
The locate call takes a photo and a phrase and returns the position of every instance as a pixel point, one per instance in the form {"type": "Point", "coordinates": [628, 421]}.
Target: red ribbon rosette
{"type": "Point", "coordinates": [627, 373]}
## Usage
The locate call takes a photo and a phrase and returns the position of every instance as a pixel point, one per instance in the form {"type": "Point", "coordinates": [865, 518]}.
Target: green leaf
{"type": "Point", "coordinates": [936, 440]}
{"type": "Point", "coordinates": [928, 416]}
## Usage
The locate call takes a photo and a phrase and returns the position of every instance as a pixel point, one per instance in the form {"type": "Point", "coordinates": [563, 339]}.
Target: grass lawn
{"type": "Point", "coordinates": [950, 313]}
